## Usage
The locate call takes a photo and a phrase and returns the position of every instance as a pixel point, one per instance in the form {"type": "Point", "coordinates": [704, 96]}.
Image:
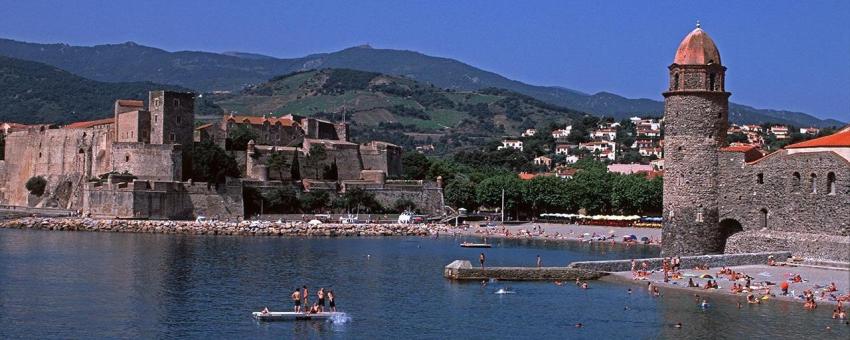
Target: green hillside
{"type": "Point", "coordinates": [394, 108]}
{"type": "Point", "coordinates": [32, 92]}
{"type": "Point", "coordinates": [204, 71]}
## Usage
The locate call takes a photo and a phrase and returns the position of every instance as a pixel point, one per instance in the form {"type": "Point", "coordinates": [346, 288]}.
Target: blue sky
{"type": "Point", "coordinates": [781, 54]}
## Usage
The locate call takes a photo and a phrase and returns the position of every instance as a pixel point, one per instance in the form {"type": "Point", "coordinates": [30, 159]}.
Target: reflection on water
{"type": "Point", "coordinates": [83, 285]}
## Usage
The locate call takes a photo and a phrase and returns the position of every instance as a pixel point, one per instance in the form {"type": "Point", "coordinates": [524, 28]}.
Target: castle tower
{"type": "Point", "coordinates": [696, 110]}
{"type": "Point", "coordinates": [172, 119]}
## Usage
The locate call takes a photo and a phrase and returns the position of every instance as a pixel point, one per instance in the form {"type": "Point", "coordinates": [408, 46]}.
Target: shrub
{"type": "Point", "coordinates": [36, 185]}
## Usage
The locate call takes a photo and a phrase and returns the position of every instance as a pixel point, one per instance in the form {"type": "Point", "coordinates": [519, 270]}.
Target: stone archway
{"type": "Point", "coordinates": [728, 227]}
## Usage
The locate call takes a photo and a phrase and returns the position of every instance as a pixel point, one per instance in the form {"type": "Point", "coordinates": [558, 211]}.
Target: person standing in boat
{"type": "Point", "coordinates": [331, 301]}
{"type": "Point", "coordinates": [296, 299]}
{"type": "Point", "coordinates": [320, 294]}
{"type": "Point", "coordinates": [305, 294]}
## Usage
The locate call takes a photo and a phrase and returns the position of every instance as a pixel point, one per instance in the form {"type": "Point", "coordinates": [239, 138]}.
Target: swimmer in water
{"type": "Point", "coordinates": [678, 325]}
{"type": "Point", "coordinates": [630, 291]}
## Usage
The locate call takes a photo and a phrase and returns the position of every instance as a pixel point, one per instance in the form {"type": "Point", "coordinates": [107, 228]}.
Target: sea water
{"type": "Point", "coordinates": [112, 285]}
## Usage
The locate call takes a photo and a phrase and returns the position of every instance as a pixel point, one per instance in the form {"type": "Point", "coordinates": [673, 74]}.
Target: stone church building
{"type": "Point", "coordinates": [735, 199]}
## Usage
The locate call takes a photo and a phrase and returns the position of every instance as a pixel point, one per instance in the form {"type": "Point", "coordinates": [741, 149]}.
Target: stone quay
{"type": "Point", "coordinates": [463, 270]}
{"type": "Point", "coordinates": [246, 228]}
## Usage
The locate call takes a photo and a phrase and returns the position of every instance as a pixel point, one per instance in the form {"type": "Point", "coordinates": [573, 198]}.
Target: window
{"type": "Point", "coordinates": [176, 102]}
{"type": "Point", "coordinates": [171, 135]}
{"type": "Point", "coordinates": [760, 178]}
{"type": "Point", "coordinates": [127, 157]}
{"type": "Point", "coordinates": [814, 183]}
{"type": "Point", "coordinates": [699, 214]}
{"type": "Point", "coordinates": [676, 81]}
{"type": "Point", "coordinates": [830, 183]}
{"type": "Point", "coordinates": [155, 118]}
{"type": "Point", "coordinates": [157, 103]}
{"type": "Point", "coordinates": [711, 85]}
{"type": "Point", "coordinates": [795, 182]}
{"type": "Point", "coordinates": [179, 119]}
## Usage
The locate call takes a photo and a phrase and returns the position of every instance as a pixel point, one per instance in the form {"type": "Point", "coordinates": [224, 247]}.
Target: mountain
{"type": "Point", "coordinates": [395, 108]}
{"type": "Point", "coordinates": [32, 92]}
{"type": "Point", "coordinates": [206, 71]}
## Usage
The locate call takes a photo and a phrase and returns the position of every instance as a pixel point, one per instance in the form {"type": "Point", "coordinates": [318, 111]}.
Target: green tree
{"type": "Point", "coordinates": [548, 194]}
{"type": "Point", "coordinates": [358, 200]}
{"type": "Point", "coordinates": [461, 194]}
{"type": "Point", "coordinates": [415, 165]}
{"type": "Point", "coordinates": [295, 169]}
{"type": "Point", "coordinates": [489, 192]}
{"type": "Point", "coordinates": [212, 164]}
{"type": "Point", "coordinates": [403, 205]}
{"type": "Point", "coordinates": [331, 172]}
{"type": "Point", "coordinates": [591, 188]}
{"type": "Point", "coordinates": [239, 137]}
{"type": "Point", "coordinates": [278, 163]}
{"type": "Point", "coordinates": [317, 155]}
{"type": "Point", "coordinates": [36, 185]}
{"type": "Point", "coordinates": [315, 201]}
{"type": "Point", "coordinates": [630, 194]}
{"type": "Point", "coordinates": [282, 200]}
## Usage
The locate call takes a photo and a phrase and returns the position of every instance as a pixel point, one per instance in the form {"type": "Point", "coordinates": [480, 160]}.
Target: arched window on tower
{"type": "Point", "coordinates": [814, 183]}
{"type": "Point", "coordinates": [711, 82]}
{"type": "Point", "coordinates": [795, 182]}
{"type": "Point", "coordinates": [830, 183]}
{"type": "Point", "coordinates": [676, 81]}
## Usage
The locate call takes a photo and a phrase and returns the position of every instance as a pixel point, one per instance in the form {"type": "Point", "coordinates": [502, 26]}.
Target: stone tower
{"type": "Point", "coordinates": [696, 110]}
{"type": "Point", "coordinates": [172, 119]}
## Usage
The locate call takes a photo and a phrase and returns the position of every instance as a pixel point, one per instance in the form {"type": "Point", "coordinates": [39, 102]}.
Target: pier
{"type": "Point", "coordinates": [463, 270]}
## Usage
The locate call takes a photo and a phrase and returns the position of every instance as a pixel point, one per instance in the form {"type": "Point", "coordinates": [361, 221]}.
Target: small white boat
{"type": "Point", "coordinates": [292, 316]}
{"type": "Point", "coordinates": [475, 245]}
{"type": "Point", "coordinates": [503, 291]}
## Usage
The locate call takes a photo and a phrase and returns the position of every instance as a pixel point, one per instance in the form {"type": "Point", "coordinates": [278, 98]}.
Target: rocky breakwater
{"type": "Point", "coordinates": [248, 228]}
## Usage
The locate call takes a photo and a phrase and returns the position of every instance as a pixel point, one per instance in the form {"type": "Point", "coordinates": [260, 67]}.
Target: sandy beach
{"type": "Point", "coordinates": [814, 278]}
{"type": "Point", "coordinates": [560, 231]}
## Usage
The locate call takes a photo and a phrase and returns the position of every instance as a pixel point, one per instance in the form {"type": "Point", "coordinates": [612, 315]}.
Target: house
{"type": "Point", "coordinates": [648, 132]}
{"type": "Point", "coordinates": [608, 134]}
{"type": "Point", "coordinates": [427, 148]}
{"type": "Point", "coordinates": [810, 131]}
{"type": "Point", "coordinates": [562, 133]}
{"type": "Point", "coordinates": [657, 164]}
{"type": "Point", "coordinates": [752, 128]}
{"type": "Point", "coordinates": [643, 143]}
{"type": "Point", "coordinates": [651, 151]}
{"type": "Point", "coordinates": [780, 131]}
{"type": "Point", "coordinates": [571, 159]}
{"type": "Point", "coordinates": [543, 160]}
{"type": "Point", "coordinates": [529, 132]}
{"type": "Point", "coordinates": [563, 149]}
{"type": "Point", "coordinates": [511, 143]}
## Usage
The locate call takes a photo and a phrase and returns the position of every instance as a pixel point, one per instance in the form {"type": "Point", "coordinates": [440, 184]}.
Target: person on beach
{"type": "Point", "coordinates": [691, 283]}
{"type": "Point", "coordinates": [296, 299]}
{"type": "Point", "coordinates": [784, 287]}
{"type": "Point", "coordinates": [481, 260]}
{"type": "Point", "coordinates": [634, 266]}
{"type": "Point", "coordinates": [320, 295]}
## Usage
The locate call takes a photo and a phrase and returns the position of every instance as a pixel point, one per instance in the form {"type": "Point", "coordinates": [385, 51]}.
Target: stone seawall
{"type": "Point", "coordinates": [721, 260]}
{"type": "Point", "coordinates": [249, 228]}
{"type": "Point", "coordinates": [463, 270]}
{"type": "Point", "coordinates": [807, 245]}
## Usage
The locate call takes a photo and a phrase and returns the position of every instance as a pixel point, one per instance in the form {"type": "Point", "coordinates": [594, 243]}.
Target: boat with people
{"type": "Point", "coordinates": [293, 316]}
{"type": "Point", "coordinates": [475, 245]}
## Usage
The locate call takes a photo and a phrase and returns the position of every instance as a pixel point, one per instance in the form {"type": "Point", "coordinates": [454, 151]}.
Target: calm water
{"type": "Point", "coordinates": [105, 285]}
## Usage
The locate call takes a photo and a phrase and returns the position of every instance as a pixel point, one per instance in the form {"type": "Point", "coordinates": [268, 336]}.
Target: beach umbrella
{"type": "Point", "coordinates": [644, 239]}
{"type": "Point", "coordinates": [633, 237]}
{"type": "Point", "coordinates": [706, 276]}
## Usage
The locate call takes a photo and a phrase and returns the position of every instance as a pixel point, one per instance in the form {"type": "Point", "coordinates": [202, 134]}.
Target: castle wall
{"type": "Point", "coordinates": [148, 161]}
{"type": "Point", "coordinates": [134, 127]}
{"type": "Point", "coordinates": [780, 202]}
{"type": "Point", "coordinates": [64, 157]}
{"type": "Point", "coordinates": [164, 200]}
{"type": "Point", "coordinates": [382, 156]}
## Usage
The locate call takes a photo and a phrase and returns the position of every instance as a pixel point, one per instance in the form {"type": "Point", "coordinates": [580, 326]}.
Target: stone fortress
{"type": "Point", "coordinates": [137, 164]}
{"type": "Point", "coordinates": [735, 199]}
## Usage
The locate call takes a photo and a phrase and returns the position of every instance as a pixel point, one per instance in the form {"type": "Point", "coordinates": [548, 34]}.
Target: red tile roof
{"type": "Point", "coordinates": [739, 148]}
{"type": "Point", "coordinates": [131, 102]}
{"type": "Point", "coordinates": [257, 120]}
{"type": "Point", "coordinates": [838, 139]}
{"type": "Point", "coordinates": [91, 123]}
{"type": "Point", "coordinates": [204, 126]}
{"type": "Point", "coordinates": [697, 49]}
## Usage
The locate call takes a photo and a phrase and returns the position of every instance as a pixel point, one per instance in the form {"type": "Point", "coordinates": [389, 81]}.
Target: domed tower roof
{"type": "Point", "coordinates": [697, 49]}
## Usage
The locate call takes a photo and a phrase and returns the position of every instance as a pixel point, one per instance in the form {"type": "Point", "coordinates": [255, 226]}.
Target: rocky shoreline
{"type": "Point", "coordinates": [244, 228]}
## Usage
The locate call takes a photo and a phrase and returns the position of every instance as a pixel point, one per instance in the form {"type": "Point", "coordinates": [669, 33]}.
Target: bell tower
{"type": "Point", "coordinates": [696, 113]}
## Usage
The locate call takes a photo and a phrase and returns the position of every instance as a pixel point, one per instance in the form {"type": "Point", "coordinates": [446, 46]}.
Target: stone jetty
{"type": "Point", "coordinates": [463, 270]}
{"type": "Point", "coordinates": [248, 228]}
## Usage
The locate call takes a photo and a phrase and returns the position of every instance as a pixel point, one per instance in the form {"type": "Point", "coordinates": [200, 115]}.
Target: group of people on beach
{"type": "Point", "coordinates": [301, 297]}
